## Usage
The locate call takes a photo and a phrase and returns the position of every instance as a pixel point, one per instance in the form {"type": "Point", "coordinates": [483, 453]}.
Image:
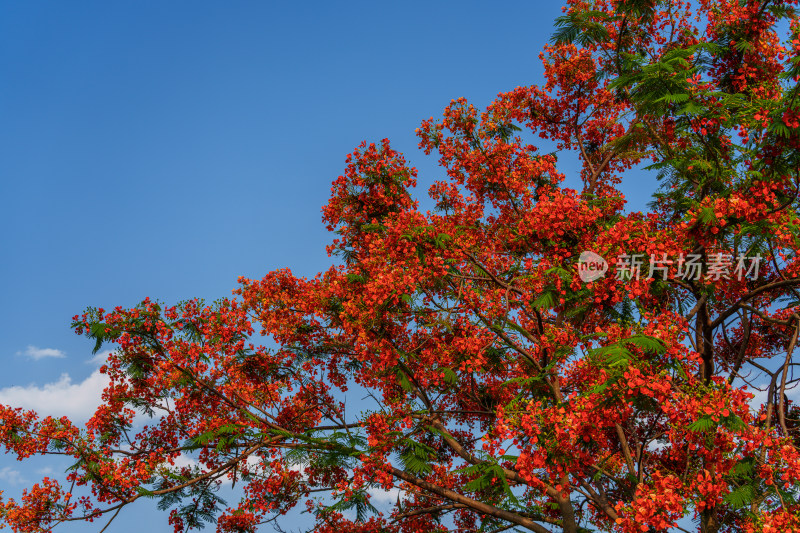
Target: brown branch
{"type": "Point", "coordinates": [626, 451]}
{"type": "Point", "coordinates": [782, 390]}
{"type": "Point", "coordinates": [429, 510]}
{"type": "Point", "coordinates": [480, 507]}
{"type": "Point", "coordinates": [752, 294]}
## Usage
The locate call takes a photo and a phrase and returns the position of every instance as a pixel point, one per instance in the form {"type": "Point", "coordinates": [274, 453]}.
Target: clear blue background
{"type": "Point", "coordinates": [163, 149]}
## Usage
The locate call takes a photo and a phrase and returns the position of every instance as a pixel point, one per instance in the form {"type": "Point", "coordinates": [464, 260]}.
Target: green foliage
{"type": "Point", "coordinates": [415, 457]}
{"type": "Point", "coordinates": [582, 27]}
{"type": "Point", "coordinates": [741, 497]}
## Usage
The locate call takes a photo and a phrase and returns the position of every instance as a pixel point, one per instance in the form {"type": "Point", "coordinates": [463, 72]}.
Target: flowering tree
{"type": "Point", "coordinates": [534, 357]}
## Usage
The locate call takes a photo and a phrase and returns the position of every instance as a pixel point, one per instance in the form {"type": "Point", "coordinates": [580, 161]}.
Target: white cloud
{"type": "Point", "coordinates": [11, 476]}
{"type": "Point", "coordinates": [301, 469]}
{"type": "Point", "coordinates": [793, 393]}
{"type": "Point", "coordinates": [41, 353]}
{"type": "Point", "coordinates": [63, 397]}
{"type": "Point", "coordinates": [182, 461]}
{"type": "Point", "coordinates": [378, 495]}
{"type": "Point", "coordinates": [759, 398]}
{"type": "Point", "coordinates": [99, 359]}
{"type": "Point", "coordinates": [761, 395]}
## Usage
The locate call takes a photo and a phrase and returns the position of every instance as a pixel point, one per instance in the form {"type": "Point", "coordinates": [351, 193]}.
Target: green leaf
{"type": "Point", "coordinates": [415, 457]}
{"type": "Point", "coordinates": [647, 343]}
{"type": "Point", "coordinates": [358, 501]}
{"type": "Point", "coordinates": [703, 424]}
{"type": "Point", "coordinates": [405, 383]}
{"type": "Point", "coordinates": [690, 108]}
{"type": "Point", "coordinates": [441, 239]}
{"type": "Point", "coordinates": [613, 354]}
{"type": "Point", "coordinates": [546, 300]}
{"type": "Point", "coordinates": [673, 99]}
{"type": "Point", "coordinates": [355, 278]}
{"type": "Point", "coordinates": [744, 468]}
{"type": "Point", "coordinates": [740, 497]}
{"type": "Point", "coordinates": [733, 423]}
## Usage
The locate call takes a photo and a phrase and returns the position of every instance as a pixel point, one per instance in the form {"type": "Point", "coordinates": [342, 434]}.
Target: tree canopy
{"type": "Point", "coordinates": [534, 357]}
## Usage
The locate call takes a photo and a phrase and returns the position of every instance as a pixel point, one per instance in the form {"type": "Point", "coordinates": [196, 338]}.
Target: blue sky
{"type": "Point", "coordinates": [163, 149]}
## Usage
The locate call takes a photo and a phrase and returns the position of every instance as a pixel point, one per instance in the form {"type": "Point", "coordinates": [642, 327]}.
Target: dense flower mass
{"type": "Point", "coordinates": [504, 390]}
